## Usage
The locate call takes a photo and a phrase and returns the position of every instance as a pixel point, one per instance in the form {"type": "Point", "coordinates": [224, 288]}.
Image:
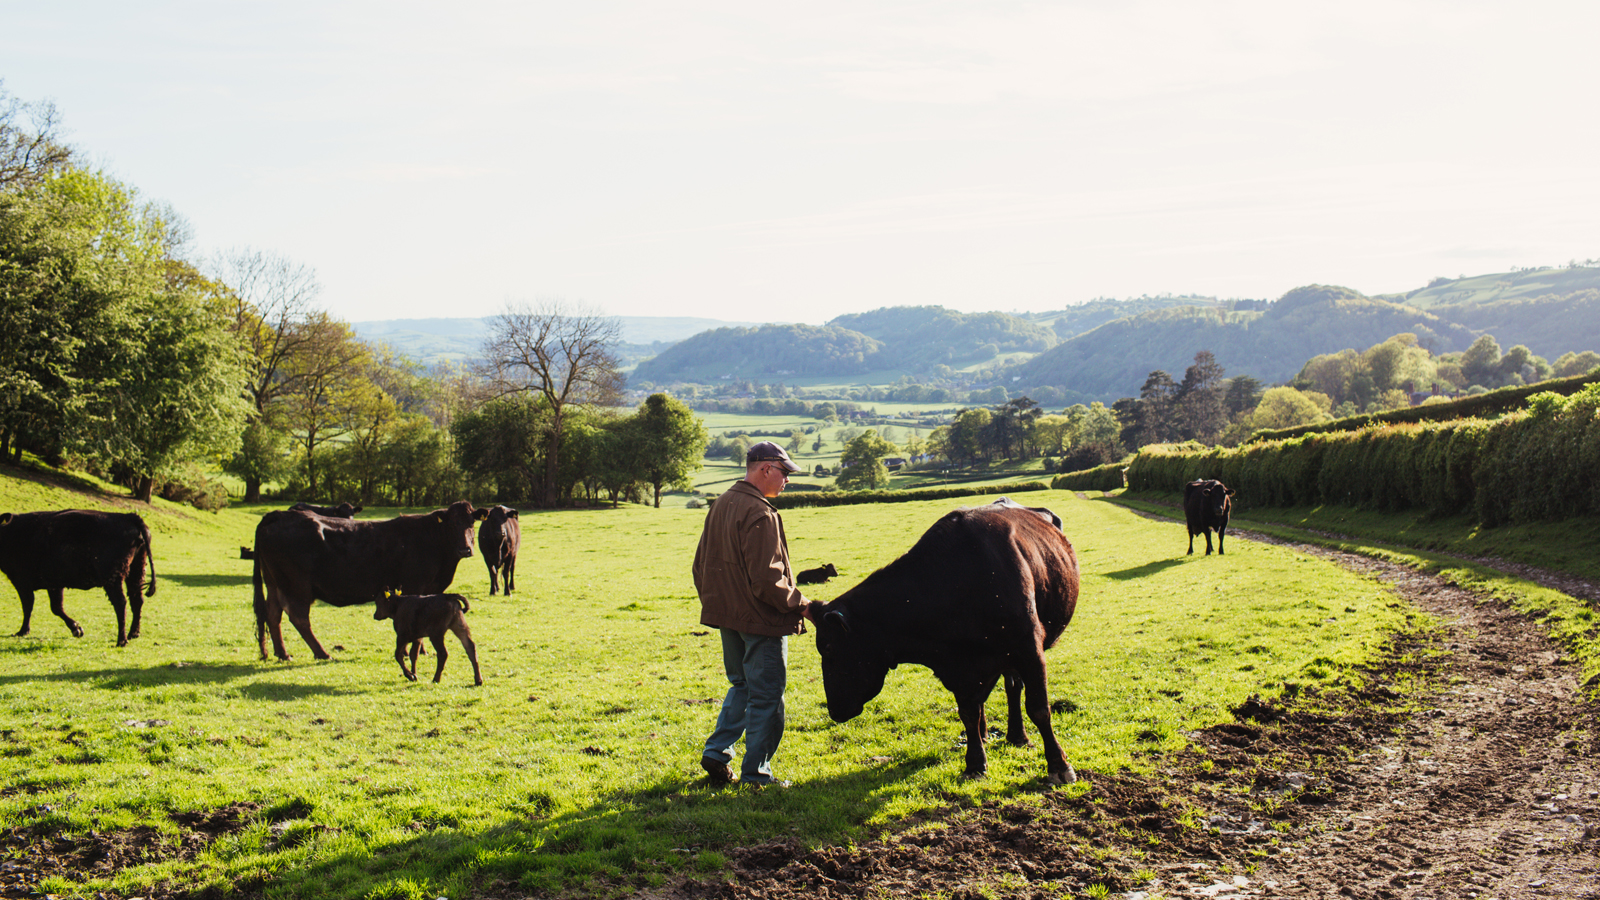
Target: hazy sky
{"type": "Point", "coordinates": [795, 161]}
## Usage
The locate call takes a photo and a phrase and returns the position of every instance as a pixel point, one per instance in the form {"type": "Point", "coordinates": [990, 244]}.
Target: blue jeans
{"type": "Point", "coordinates": [758, 670]}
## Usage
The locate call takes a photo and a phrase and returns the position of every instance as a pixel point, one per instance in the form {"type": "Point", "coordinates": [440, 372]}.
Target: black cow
{"type": "Point", "coordinates": [342, 511]}
{"type": "Point", "coordinates": [303, 557]}
{"type": "Point", "coordinates": [981, 595]}
{"type": "Point", "coordinates": [498, 538]}
{"type": "Point", "coordinates": [819, 575]}
{"type": "Point", "coordinates": [1207, 505]}
{"type": "Point", "coordinates": [80, 549]}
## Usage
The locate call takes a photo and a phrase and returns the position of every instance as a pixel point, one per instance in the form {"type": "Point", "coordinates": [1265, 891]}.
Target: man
{"type": "Point", "coordinates": [747, 590]}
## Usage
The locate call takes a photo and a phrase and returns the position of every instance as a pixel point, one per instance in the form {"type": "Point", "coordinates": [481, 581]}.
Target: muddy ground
{"type": "Point", "coordinates": [1491, 790]}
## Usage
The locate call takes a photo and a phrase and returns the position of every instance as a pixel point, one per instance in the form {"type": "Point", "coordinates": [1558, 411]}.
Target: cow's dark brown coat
{"type": "Point", "coordinates": [979, 597]}
{"type": "Point", "coordinates": [80, 549]}
{"type": "Point", "coordinates": [499, 537]}
{"type": "Point", "coordinates": [1206, 506]}
{"type": "Point", "coordinates": [302, 557]}
{"type": "Point", "coordinates": [418, 616]}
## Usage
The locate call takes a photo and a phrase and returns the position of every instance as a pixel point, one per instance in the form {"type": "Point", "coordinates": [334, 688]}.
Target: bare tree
{"type": "Point", "coordinates": [30, 148]}
{"type": "Point", "coordinates": [273, 300]}
{"type": "Point", "coordinates": [563, 353]}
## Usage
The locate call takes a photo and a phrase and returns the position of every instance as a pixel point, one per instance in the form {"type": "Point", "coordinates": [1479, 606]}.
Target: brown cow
{"type": "Point", "coordinates": [982, 595]}
{"type": "Point", "coordinates": [498, 539]}
{"type": "Point", "coordinates": [342, 511]}
{"type": "Point", "coordinates": [1207, 505]}
{"type": "Point", "coordinates": [80, 549]}
{"type": "Point", "coordinates": [303, 557]}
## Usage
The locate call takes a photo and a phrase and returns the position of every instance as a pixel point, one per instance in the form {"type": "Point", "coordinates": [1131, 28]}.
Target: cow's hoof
{"type": "Point", "coordinates": [970, 775]}
{"type": "Point", "coordinates": [1019, 741]}
{"type": "Point", "coordinates": [322, 655]}
{"type": "Point", "coordinates": [133, 634]}
{"type": "Point", "coordinates": [1064, 777]}
{"type": "Point", "coordinates": [22, 633]}
{"type": "Point", "coordinates": [122, 643]}
{"type": "Point", "coordinates": [478, 683]}
{"type": "Point", "coordinates": [76, 631]}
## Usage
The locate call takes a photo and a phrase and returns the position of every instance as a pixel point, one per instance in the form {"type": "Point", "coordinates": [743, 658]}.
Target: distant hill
{"type": "Point", "coordinates": [769, 352]}
{"type": "Point", "coordinates": [1549, 325]}
{"type": "Point", "coordinates": [919, 337]}
{"type": "Point", "coordinates": [1113, 360]}
{"type": "Point", "coordinates": [1519, 285]}
{"type": "Point", "coordinates": [1085, 317]}
{"type": "Point", "coordinates": [457, 340]}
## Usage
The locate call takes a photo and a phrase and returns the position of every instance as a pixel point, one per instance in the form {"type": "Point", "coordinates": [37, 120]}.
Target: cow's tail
{"type": "Point", "coordinates": [465, 606]}
{"type": "Point", "coordinates": [150, 561]}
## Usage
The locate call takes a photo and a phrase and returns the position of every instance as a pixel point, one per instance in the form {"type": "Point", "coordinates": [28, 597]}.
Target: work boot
{"type": "Point", "coordinates": [716, 770]}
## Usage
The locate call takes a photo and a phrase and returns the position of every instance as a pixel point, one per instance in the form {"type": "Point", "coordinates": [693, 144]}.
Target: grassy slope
{"type": "Point", "coordinates": [577, 758]}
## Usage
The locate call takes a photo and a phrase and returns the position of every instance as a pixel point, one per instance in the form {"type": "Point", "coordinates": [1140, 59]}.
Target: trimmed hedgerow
{"type": "Point", "coordinates": [1540, 464]}
{"type": "Point", "coordinates": [849, 498]}
{"type": "Point", "coordinates": [1100, 478]}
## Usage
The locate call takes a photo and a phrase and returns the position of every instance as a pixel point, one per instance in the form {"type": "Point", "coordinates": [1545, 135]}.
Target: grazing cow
{"type": "Point", "coordinates": [981, 595]}
{"type": "Point", "coordinates": [819, 575]}
{"type": "Point", "coordinates": [303, 557]}
{"type": "Point", "coordinates": [498, 539]}
{"type": "Point", "coordinates": [342, 511]}
{"type": "Point", "coordinates": [80, 549]}
{"type": "Point", "coordinates": [418, 616]}
{"type": "Point", "coordinates": [1206, 505]}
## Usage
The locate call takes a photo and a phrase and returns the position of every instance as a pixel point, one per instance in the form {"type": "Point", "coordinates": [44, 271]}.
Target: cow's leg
{"type": "Point", "coordinates": [1220, 530]}
{"type": "Point", "coordinates": [494, 583]}
{"type": "Point", "coordinates": [400, 657]}
{"type": "Point", "coordinates": [511, 572]}
{"type": "Point", "coordinates": [135, 592]}
{"type": "Point", "coordinates": [416, 648]}
{"type": "Point", "coordinates": [1016, 736]}
{"type": "Point", "coordinates": [1208, 541]}
{"type": "Point", "coordinates": [119, 603]}
{"type": "Point", "coordinates": [56, 601]}
{"type": "Point", "coordinates": [438, 648]}
{"type": "Point", "coordinates": [972, 689]}
{"type": "Point", "coordinates": [300, 617]}
{"type": "Point", "coordinates": [1191, 544]}
{"type": "Point", "coordinates": [1037, 701]}
{"type": "Point", "coordinates": [465, 637]}
{"type": "Point", "coordinates": [273, 615]}
{"type": "Point", "coordinates": [27, 611]}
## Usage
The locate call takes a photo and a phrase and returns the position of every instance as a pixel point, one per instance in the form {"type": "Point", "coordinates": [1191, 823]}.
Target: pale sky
{"type": "Point", "coordinates": [796, 161]}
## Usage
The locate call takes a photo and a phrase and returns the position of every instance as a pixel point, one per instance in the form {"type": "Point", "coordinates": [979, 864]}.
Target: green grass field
{"type": "Point", "coordinates": [575, 765]}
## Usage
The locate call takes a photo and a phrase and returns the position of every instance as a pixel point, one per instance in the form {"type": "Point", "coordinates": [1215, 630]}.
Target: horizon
{"type": "Point", "coordinates": [711, 160]}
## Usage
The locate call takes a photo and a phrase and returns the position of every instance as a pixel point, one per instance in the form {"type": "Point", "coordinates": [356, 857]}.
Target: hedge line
{"type": "Point", "coordinates": [850, 498]}
{"type": "Point", "coordinates": [1538, 465]}
{"type": "Point", "coordinates": [1493, 403]}
{"type": "Point", "coordinates": [1100, 478]}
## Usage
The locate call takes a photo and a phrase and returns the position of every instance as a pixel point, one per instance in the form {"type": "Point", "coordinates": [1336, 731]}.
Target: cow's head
{"type": "Point", "coordinates": [1219, 499]}
{"type": "Point", "coordinates": [386, 604]}
{"type": "Point", "coordinates": [497, 515]}
{"type": "Point", "coordinates": [853, 665]}
{"type": "Point", "coordinates": [456, 519]}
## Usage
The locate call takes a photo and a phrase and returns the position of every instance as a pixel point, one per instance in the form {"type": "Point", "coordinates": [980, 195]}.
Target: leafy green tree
{"type": "Point", "coordinates": [671, 440]}
{"type": "Point", "coordinates": [1480, 363]}
{"type": "Point", "coordinates": [1242, 395]}
{"type": "Point", "coordinates": [1569, 364]}
{"type": "Point", "coordinates": [503, 440]}
{"type": "Point", "coordinates": [1198, 405]}
{"type": "Point", "coordinates": [861, 466]}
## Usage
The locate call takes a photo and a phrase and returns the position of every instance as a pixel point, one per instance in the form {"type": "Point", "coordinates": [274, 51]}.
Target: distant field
{"type": "Point", "coordinates": [576, 760]}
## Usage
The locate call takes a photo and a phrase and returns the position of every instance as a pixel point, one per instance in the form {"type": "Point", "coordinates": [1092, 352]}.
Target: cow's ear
{"type": "Point", "coordinates": [512, 514]}
{"type": "Point", "coordinates": [478, 515]}
{"type": "Point", "coordinates": [438, 518]}
{"type": "Point", "coordinates": [4, 518]}
{"type": "Point", "coordinates": [837, 618]}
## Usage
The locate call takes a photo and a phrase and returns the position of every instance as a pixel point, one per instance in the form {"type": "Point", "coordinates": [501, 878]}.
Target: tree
{"type": "Point", "coordinates": [565, 354]}
{"type": "Point", "coordinates": [1285, 407]}
{"type": "Point", "coordinates": [1153, 414]}
{"type": "Point", "coordinates": [670, 441]}
{"type": "Point", "coordinates": [1569, 364]}
{"type": "Point", "coordinates": [503, 440]}
{"type": "Point", "coordinates": [272, 306]}
{"type": "Point", "coordinates": [1198, 405]}
{"type": "Point", "coordinates": [30, 149]}
{"type": "Point", "coordinates": [1480, 362]}
{"type": "Point", "coordinates": [330, 390]}
{"type": "Point", "coordinates": [1243, 393]}
{"type": "Point", "coordinates": [861, 466]}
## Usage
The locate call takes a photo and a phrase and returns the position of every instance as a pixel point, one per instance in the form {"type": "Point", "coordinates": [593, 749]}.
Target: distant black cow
{"type": "Point", "coordinates": [979, 597]}
{"type": "Point", "coordinates": [342, 511]}
{"type": "Point", "coordinates": [303, 557]}
{"type": "Point", "coordinates": [819, 575]}
{"type": "Point", "coordinates": [79, 549]}
{"type": "Point", "coordinates": [418, 616]}
{"type": "Point", "coordinates": [498, 539]}
{"type": "Point", "coordinates": [1207, 505]}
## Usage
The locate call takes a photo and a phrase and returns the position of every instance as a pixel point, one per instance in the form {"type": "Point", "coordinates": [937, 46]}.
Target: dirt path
{"type": "Point", "coordinates": [1492, 791]}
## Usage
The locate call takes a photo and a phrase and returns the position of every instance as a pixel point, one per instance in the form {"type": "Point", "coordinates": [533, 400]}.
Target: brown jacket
{"type": "Point", "coordinates": [741, 567]}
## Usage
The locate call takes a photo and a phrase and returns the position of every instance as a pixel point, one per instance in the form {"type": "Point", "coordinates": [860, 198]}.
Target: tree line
{"type": "Point", "coordinates": [124, 354]}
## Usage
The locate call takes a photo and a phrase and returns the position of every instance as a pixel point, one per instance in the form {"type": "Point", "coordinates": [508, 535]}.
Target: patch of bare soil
{"type": "Point", "coordinates": [27, 856]}
{"type": "Point", "coordinates": [1490, 791]}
